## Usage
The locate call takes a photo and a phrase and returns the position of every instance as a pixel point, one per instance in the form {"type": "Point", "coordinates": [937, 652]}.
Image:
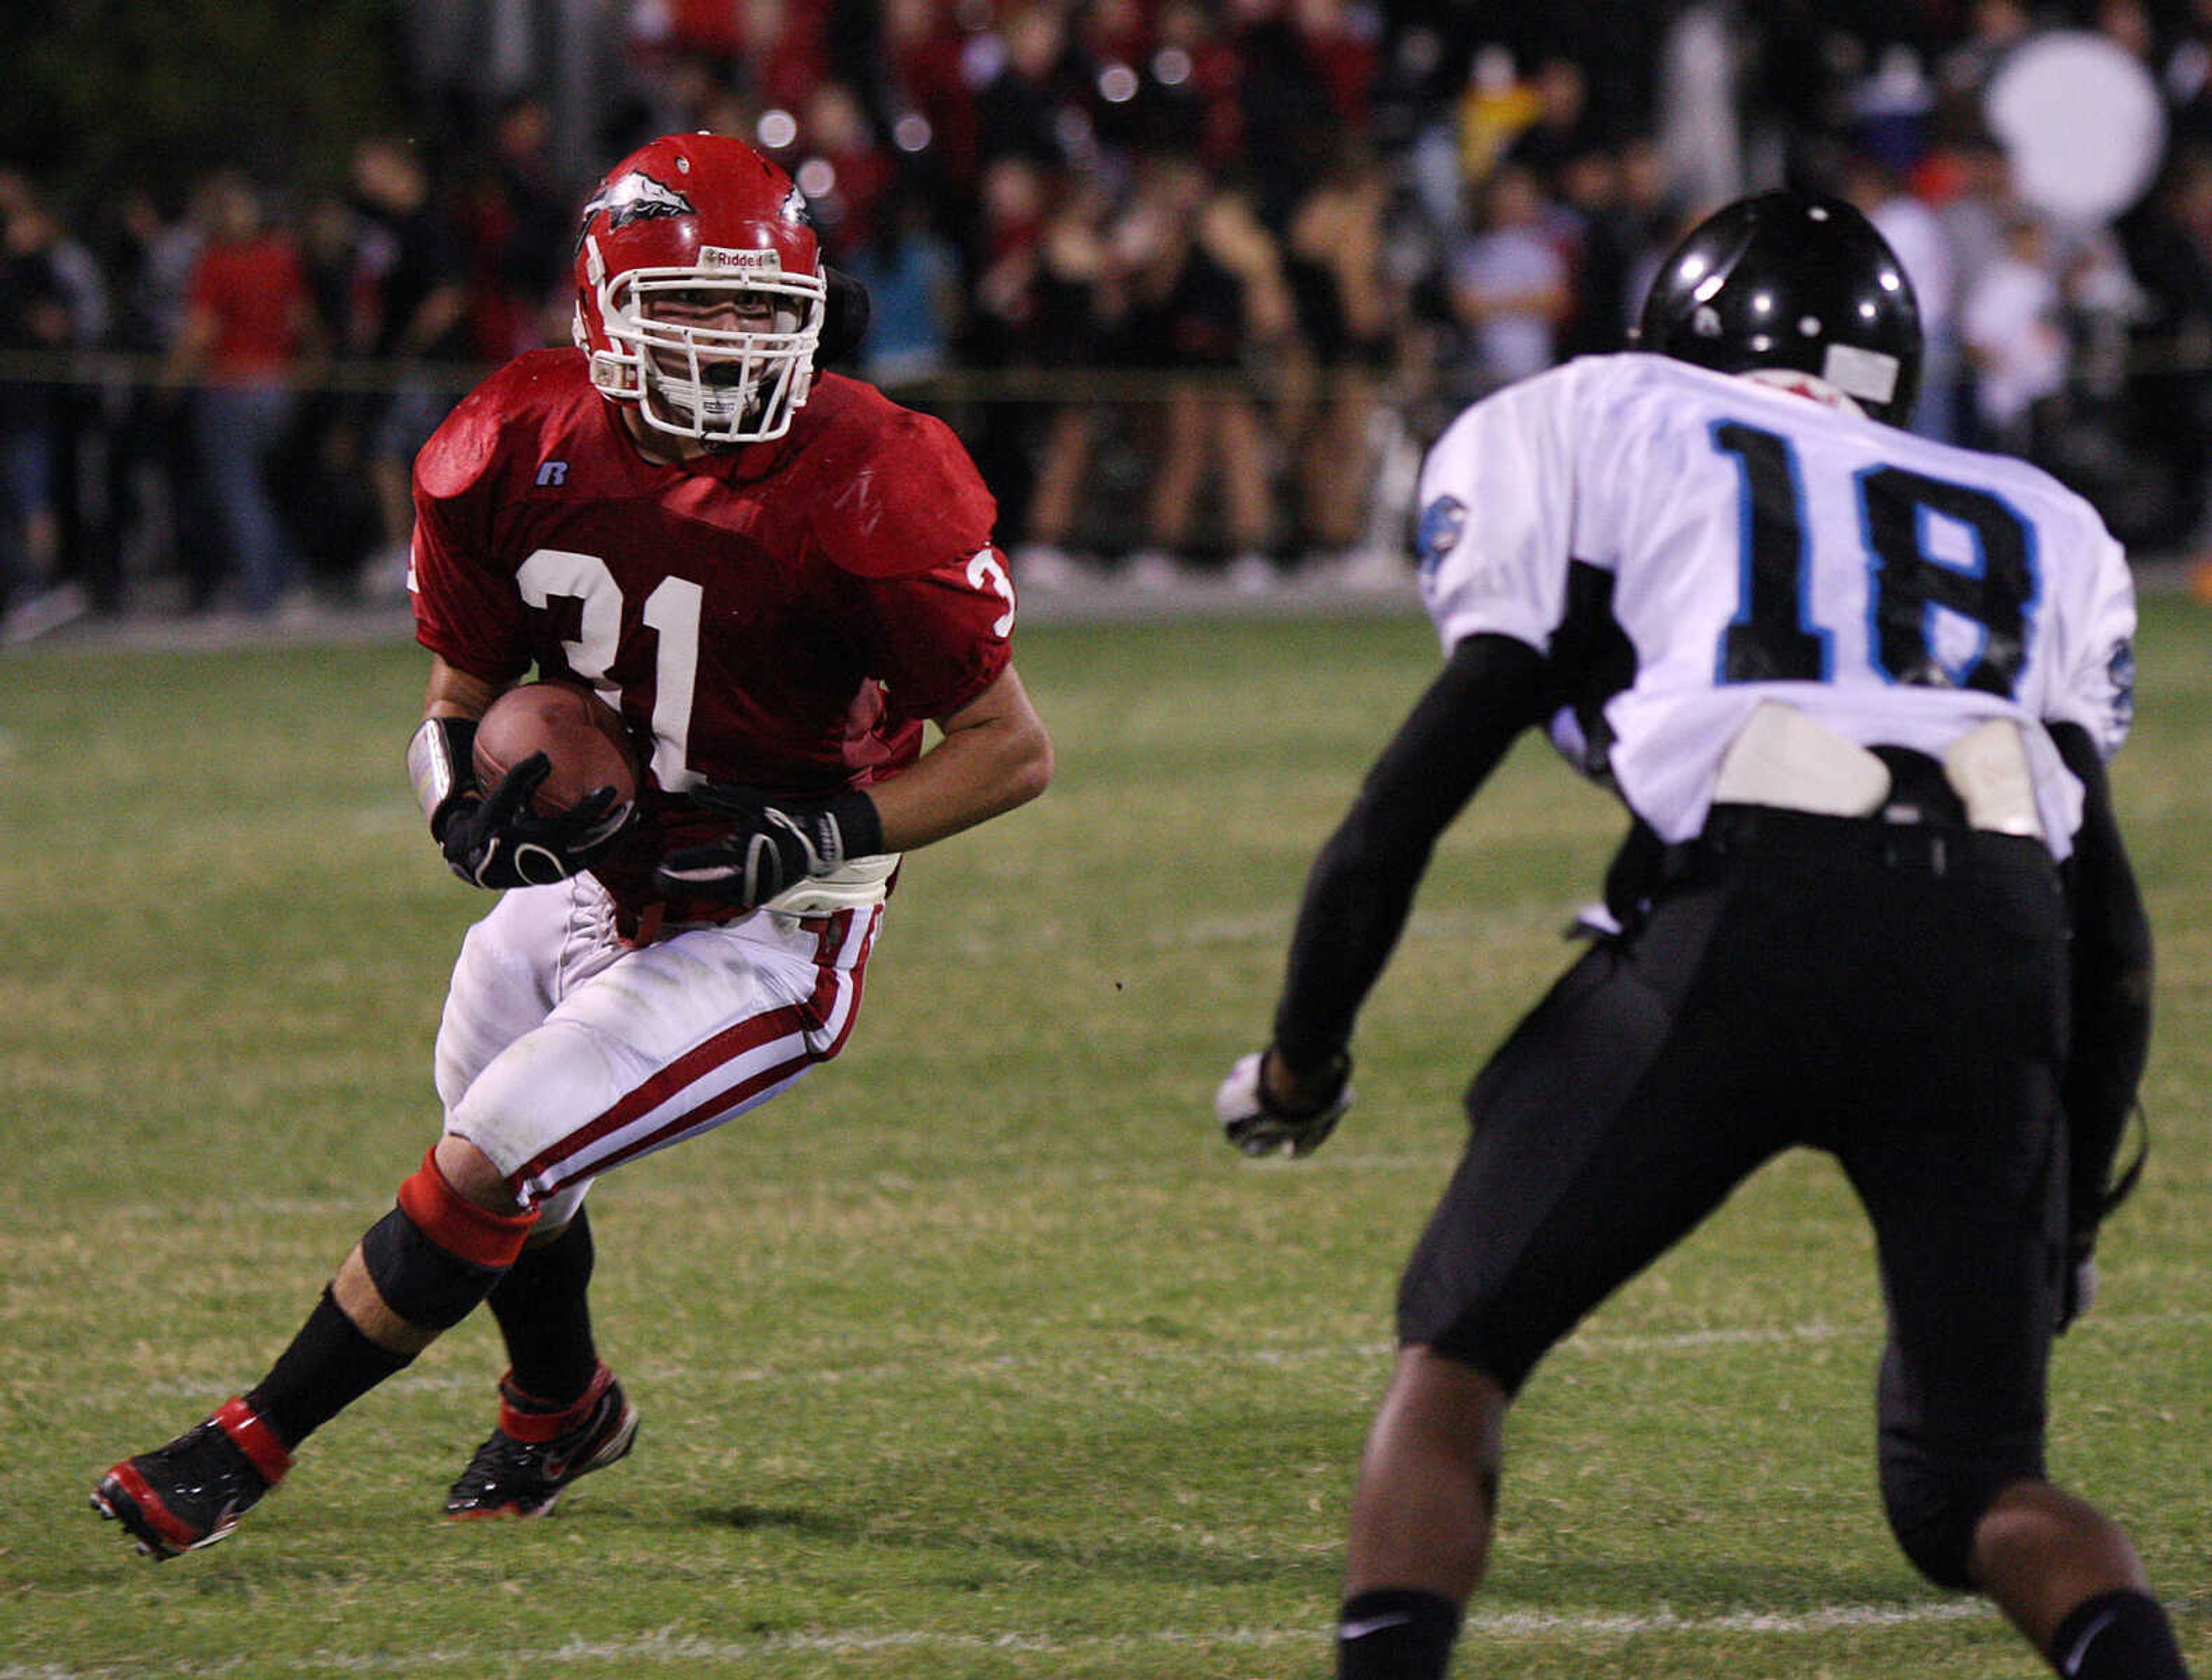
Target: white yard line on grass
{"type": "Point", "coordinates": [668, 1646]}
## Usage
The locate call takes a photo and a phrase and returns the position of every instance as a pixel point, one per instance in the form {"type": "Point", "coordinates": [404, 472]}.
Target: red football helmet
{"type": "Point", "coordinates": [699, 293]}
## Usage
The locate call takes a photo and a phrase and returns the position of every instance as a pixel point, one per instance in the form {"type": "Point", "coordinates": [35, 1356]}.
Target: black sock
{"type": "Point", "coordinates": [2117, 1635]}
{"type": "Point", "coordinates": [329, 1365]}
{"type": "Point", "coordinates": [1395, 1633]}
{"type": "Point", "coordinates": [544, 1315]}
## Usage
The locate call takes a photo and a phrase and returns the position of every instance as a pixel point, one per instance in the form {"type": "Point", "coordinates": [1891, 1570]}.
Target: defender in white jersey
{"type": "Point", "coordinates": [1856, 690]}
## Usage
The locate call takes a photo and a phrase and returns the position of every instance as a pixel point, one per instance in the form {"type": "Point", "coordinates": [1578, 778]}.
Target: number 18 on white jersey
{"type": "Point", "coordinates": [1757, 541]}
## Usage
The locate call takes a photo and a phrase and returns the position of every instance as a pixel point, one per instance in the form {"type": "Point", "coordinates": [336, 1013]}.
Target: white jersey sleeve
{"type": "Point", "coordinates": [1760, 544]}
{"type": "Point", "coordinates": [1498, 510]}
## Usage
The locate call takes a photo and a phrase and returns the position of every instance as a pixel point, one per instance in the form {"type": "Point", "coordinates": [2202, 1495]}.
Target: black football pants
{"type": "Point", "coordinates": [1894, 996]}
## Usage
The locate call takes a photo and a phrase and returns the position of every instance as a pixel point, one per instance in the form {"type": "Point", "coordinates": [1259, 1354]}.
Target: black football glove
{"type": "Point", "coordinates": [1254, 1121]}
{"type": "Point", "coordinates": [773, 846]}
{"type": "Point", "coordinates": [496, 840]}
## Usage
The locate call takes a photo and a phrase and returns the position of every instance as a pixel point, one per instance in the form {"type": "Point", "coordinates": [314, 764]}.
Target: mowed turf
{"type": "Point", "coordinates": [977, 1355]}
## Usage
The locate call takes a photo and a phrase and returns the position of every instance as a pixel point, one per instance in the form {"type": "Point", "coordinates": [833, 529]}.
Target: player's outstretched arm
{"type": "Point", "coordinates": [1361, 887]}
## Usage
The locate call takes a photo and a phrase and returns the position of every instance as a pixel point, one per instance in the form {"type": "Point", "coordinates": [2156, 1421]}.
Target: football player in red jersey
{"type": "Point", "coordinates": [778, 577]}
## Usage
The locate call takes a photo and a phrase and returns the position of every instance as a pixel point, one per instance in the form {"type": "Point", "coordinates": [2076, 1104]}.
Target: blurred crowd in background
{"type": "Point", "coordinates": [1195, 280]}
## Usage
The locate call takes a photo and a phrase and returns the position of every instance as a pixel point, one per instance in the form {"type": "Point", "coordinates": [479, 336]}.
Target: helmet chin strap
{"type": "Point", "coordinates": [722, 392]}
{"type": "Point", "coordinates": [659, 444]}
{"type": "Point", "coordinates": [681, 404]}
{"type": "Point", "coordinates": [723, 395]}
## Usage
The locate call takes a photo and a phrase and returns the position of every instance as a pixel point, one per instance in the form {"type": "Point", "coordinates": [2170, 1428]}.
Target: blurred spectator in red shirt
{"type": "Point", "coordinates": [1338, 41]}
{"type": "Point", "coordinates": [782, 54]}
{"type": "Point", "coordinates": [1116, 31]}
{"type": "Point", "coordinates": [248, 323]}
{"type": "Point", "coordinates": [774, 49]}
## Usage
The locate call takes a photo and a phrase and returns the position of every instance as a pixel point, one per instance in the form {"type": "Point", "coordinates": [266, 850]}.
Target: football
{"type": "Point", "coordinates": [580, 732]}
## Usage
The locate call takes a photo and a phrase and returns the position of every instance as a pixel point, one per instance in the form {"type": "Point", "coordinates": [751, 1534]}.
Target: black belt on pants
{"type": "Point", "coordinates": [1922, 823]}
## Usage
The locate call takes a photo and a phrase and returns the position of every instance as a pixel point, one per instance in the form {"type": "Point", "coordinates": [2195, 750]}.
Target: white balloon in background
{"type": "Point", "coordinates": [2082, 122]}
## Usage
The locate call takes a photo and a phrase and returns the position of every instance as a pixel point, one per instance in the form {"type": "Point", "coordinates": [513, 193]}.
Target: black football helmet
{"type": "Point", "coordinates": [1791, 280]}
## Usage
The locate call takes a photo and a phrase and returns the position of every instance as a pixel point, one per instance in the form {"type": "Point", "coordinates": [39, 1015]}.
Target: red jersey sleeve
{"type": "Point", "coordinates": [466, 608]}
{"type": "Point", "coordinates": [933, 604]}
{"type": "Point", "coordinates": [939, 637]}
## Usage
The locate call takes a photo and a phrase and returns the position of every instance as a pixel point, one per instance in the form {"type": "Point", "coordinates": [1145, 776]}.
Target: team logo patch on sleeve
{"type": "Point", "coordinates": [2121, 669]}
{"type": "Point", "coordinates": [1438, 532]}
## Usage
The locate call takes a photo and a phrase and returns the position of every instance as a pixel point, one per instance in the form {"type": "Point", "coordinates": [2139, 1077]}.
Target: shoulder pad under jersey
{"type": "Point", "coordinates": [522, 399]}
{"type": "Point", "coordinates": [895, 490]}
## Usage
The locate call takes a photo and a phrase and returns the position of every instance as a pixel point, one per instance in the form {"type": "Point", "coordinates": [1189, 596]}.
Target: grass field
{"type": "Point", "coordinates": [977, 1355]}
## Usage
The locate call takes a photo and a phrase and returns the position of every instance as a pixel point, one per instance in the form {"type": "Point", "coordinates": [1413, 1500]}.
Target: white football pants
{"type": "Point", "coordinates": [565, 1051]}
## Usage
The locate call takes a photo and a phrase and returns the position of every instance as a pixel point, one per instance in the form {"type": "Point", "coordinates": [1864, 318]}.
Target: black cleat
{"type": "Point", "coordinates": [534, 1452]}
{"type": "Point", "coordinates": [192, 1493]}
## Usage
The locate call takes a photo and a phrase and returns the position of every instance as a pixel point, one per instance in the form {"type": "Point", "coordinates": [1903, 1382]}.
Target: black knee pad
{"type": "Point", "coordinates": [431, 1288]}
{"type": "Point", "coordinates": [437, 1256]}
{"type": "Point", "coordinates": [1934, 1509]}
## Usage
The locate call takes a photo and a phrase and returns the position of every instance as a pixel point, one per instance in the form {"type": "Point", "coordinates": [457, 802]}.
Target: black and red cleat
{"type": "Point", "coordinates": [191, 1492]}
{"type": "Point", "coordinates": [535, 1450]}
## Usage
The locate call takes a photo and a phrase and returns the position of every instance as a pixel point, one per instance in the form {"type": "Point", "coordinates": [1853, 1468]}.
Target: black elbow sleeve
{"type": "Point", "coordinates": [1361, 887]}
